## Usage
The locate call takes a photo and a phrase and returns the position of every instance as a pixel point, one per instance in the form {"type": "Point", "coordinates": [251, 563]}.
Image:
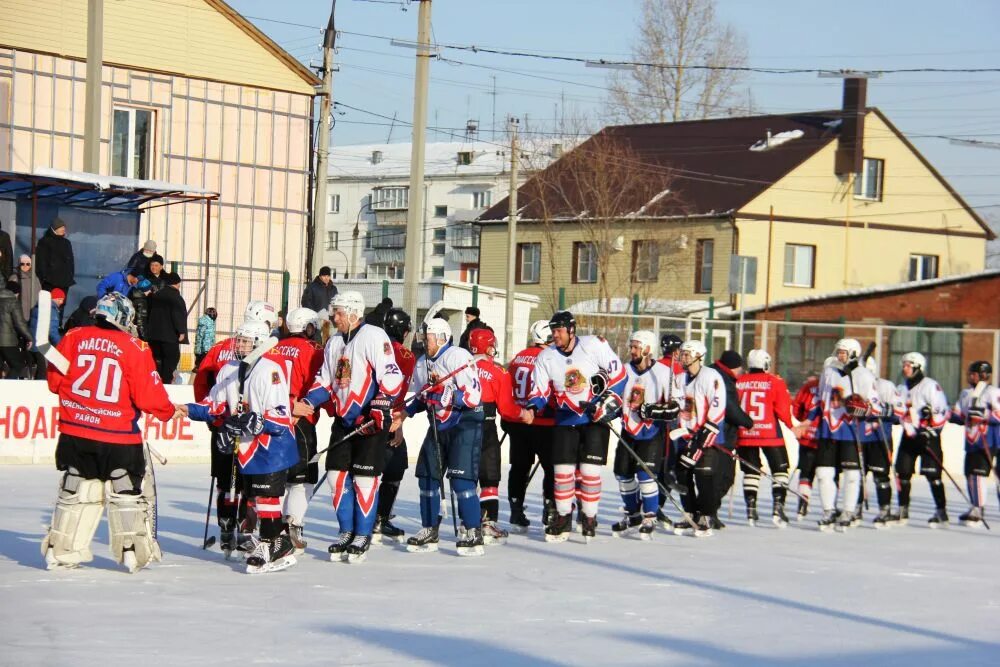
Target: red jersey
{"type": "Point", "coordinates": [497, 391]}
{"type": "Point", "coordinates": [111, 380]}
{"type": "Point", "coordinates": [764, 397]}
{"type": "Point", "coordinates": [520, 372]}
{"type": "Point", "coordinates": [673, 364]}
{"type": "Point", "coordinates": [217, 357]}
{"type": "Point", "coordinates": [406, 361]}
{"type": "Point", "coordinates": [301, 359]}
{"type": "Point", "coordinates": [803, 404]}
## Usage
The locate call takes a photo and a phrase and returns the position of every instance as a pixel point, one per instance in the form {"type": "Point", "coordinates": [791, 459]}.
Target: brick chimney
{"type": "Point", "coordinates": [850, 146]}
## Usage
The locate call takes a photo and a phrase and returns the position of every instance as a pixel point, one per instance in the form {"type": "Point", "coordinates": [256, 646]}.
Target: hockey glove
{"type": "Point", "coordinates": [660, 412]}
{"type": "Point", "coordinates": [379, 415]}
{"type": "Point", "coordinates": [607, 408]}
{"type": "Point", "coordinates": [246, 425]}
{"type": "Point", "coordinates": [926, 437]}
{"type": "Point", "coordinates": [976, 415]}
{"type": "Point", "coordinates": [925, 413]}
{"type": "Point", "coordinates": [444, 397]}
{"type": "Point", "coordinates": [856, 406]}
{"type": "Point", "coordinates": [224, 443]}
{"type": "Point", "coordinates": [599, 382]}
{"type": "Point", "coordinates": [705, 437]}
{"type": "Point", "coordinates": [691, 453]}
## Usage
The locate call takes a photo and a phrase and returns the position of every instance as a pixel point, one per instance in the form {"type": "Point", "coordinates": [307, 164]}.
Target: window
{"type": "Point", "coordinates": [923, 267]}
{"type": "Point", "coordinates": [437, 272]}
{"type": "Point", "coordinates": [383, 239]}
{"type": "Point", "coordinates": [440, 234]}
{"type": "Point", "coordinates": [390, 199]}
{"type": "Point", "coordinates": [132, 143]}
{"type": "Point", "coordinates": [464, 236]}
{"type": "Point", "coordinates": [465, 157]}
{"type": "Point", "coordinates": [379, 271]}
{"type": "Point", "coordinates": [645, 261]}
{"type": "Point", "coordinates": [704, 260]}
{"type": "Point", "coordinates": [469, 273]}
{"type": "Point", "coordinates": [368, 240]}
{"type": "Point", "coordinates": [868, 184]}
{"type": "Point", "coordinates": [482, 199]}
{"type": "Point", "coordinates": [437, 249]}
{"type": "Point", "coordinates": [800, 265]}
{"type": "Point", "coordinates": [334, 204]}
{"type": "Point", "coordinates": [332, 240]}
{"type": "Point", "coordinates": [529, 263]}
{"type": "Point", "coordinates": [440, 211]}
{"type": "Point", "coordinates": [585, 262]}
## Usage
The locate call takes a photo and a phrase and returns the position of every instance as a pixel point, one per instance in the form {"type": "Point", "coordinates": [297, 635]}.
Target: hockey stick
{"type": "Point", "coordinates": [209, 541]}
{"type": "Point", "coordinates": [952, 479]}
{"type": "Point", "coordinates": [42, 324]}
{"type": "Point", "coordinates": [151, 471]}
{"type": "Point", "coordinates": [642, 464]}
{"type": "Point", "coordinates": [736, 457]}
{"type": "Point", "coordinates": [156, 455]}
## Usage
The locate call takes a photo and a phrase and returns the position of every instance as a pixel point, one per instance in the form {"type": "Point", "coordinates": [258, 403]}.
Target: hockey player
{"type": "Point", "coordinates": [702, 416]}
{"type": "Point", "coordinates": [670, 348]}
{"type": "Point", "coordinates": [876, 438]}
{"type": "Point", "coordinates": [528, 441]}
{"type": "Point", "coordinates": [230, 512]}
{"type": "Point", "coordinates": [805, 412]}
{"type": "Point", "coordinates": [111, 379]}
{"type": "Point", "coordinates": [396, 326]}
{"type": "Point", "coordinates": [301, 359]}
{"type": "Point", "coordinates": [359, 373]}
{"type": "Point", "coordinates": [764, 397]}
{"type": "Point", "coordinates": [453, 441]}
{"type": "Point", "coordinates": [250, 404]}
{"type": "Point", "coordinates": [924, 413]}
{"type": "Point", "coordinates": [976, 408]}
{"type": "Point", "coordinates": [585, 379]}
{"type": "Point", "coordinates": [649, 404]}
{"type": "Point", "coordinates": [497, 398]}
{"type": "Point", "coordinates": [847, 396]}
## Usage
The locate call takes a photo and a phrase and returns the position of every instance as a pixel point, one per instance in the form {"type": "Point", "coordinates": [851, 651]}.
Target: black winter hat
{"type": "Point", "coordinates": [731, 359]}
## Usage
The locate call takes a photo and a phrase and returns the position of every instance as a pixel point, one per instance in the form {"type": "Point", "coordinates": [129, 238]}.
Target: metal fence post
{"type": "Point", "coordinates": [635, 312]}
{"type": "Point", "coordinates": [709, 333]}
{"type": "Point", "coordinates": [562, 298]}
{"type": "Point", "coordinates": [385, 288]}
{"type": "Point", "coordinates": [475, 296]}
{"type": "Point", "coordinates": [286, 283]}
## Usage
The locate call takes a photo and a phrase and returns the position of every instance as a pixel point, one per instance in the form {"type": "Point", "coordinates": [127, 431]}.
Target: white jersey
{"type": "Point", "coordinates": [891, 403]}
{"type": "Point", "coordinates": [704, 401]}
{"type": "Point", "coordinates": [834, 387]}
{"type": "Point", "coordinates": [653, 385]}
{"type": "Point", "coordinates": [981, 433]}
{"type": "Point", "coordinates": [356, 366]}
{"type": "Point", "coordinates": [924, 396]}
{"type": "Point", "coordinates": [565, 378]}
{"type": "Point", "coordinates": [464, 387]}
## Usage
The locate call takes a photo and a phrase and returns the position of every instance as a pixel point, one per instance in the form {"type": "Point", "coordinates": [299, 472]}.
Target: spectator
{"type": "Point", "coordinates": [279, 330]}
{"type": "Point", "coordinates": [204, 336]}
{"type": "Point", "coordinates": [83, 316]}
{"type": "Point", "coordinates": [54, 264]}
{"type": "Point", "coordinates": [155, 273]}
{"type": "Point", "coordinates": [119, 281]}
{"type": "Point", "coordinates": [140, 260]}
{"type": "Point", "coordinates": [167, 326]}
{"type": "Point", "coordinates": [13, 329]}
{"type": "Point", "coordinates": [472, 321]}
{"type": "Point", "coordinates": [320, 291]}
{"type": "Point", "coordinates": [6, 256]}
{"type": "Point", "coordinates": [139, 297]}
{"type": "Point", "coordinates": [29, 287]}
{"type": "Point", "coordinates": [58, 299]}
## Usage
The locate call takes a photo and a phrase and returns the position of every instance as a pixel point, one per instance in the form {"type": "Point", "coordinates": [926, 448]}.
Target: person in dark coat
{"type": "Point", "coordinates": [167, 327]}
{"type": "Point", "coordinates": [54, 264]}
{"type": "Point", "coordinates": [28, 287]}
{"type": "Point", "coordinates": [7, 267]}
{"type": "Point", "coordinates": [13, 329]}
{"type": "Point", "coordinates": [472, 322]}
{"type": "Point", "coordinates": [155, 272]}
{"type": "Point", "coordinates": [140, 260]}
{"type": "Point", "coordinates": [83, 316]}
{"type": "Point", "coordinates": [730, 367]}
{"type": "Point", "coordinates": [377, 316]}
{"type": "Point", "coordinates": [320, 291]}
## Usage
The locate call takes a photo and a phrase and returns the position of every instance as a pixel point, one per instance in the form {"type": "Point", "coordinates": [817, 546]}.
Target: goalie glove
{"type": "Point", "coordinates": [660, 412]}
{"type": "Point", "coordinates": [856, 406]}
{"type": "Point", "coordinates": [599, 382]}
{"type": "Point", "coordinates": [379, 415]}
{"type": "Point", "coordinates": [246, 425]}
{"type": "Point", "coordinates": [607, 408]}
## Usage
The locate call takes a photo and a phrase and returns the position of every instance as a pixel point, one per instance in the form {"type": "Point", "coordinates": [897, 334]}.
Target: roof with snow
{"type": "Point", "coordinates": [877, 290]}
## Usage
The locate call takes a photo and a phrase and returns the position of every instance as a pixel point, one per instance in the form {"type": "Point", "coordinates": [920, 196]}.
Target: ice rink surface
{"type": "Point", "coordinates": [905, 596]}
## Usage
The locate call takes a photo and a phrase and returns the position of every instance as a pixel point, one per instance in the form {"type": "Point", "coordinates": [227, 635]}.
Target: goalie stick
{"type": "Point", "coordinates": [42, 324]}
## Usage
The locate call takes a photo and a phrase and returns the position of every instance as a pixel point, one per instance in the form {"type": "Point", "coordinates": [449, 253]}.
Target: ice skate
{"type": "Point", "coordinates": [973, 518]}
{"type": "Point", "coordinates": [647, 527]}
{"type": "Point", "coordinates": [588, 528]}
{"type": "Point", "coordinates": [778, 517]}
{"type": "Point", "coordinates": [664, 520]}
{"type": "Point", "coordinates": [424, 541]}
{"type": "Point", "coordinates": [626, 525]}
{"type": "Point", "coordinates": [338, 549]}
{"type": "Point", "coordinates": [559, 528]}
{"type": "Point", "coordinates": [845, 522]}
{"type": "Point", "coordinates": [803, 511]}
{"type": "Point", "coordinates": [493, 533]}
{"type": "Point", "coordinates": [295, 534]}
{"type": "Point", "coordinates": [939, 519]}
{"type": "Point", "coordinates": [885, 518]}
{"type": "Point", "coordinates": [704, 527]}
{"type": "Point", "coordinates": [357, 550]}
{"type": "Point", "coordinates": [388, 532]}
{"type": "Point", "coordinates": [470, 542]}
{"type": "Point", "coordinates": [519, 522]}
{"type": "Point", "coordinates": [271, 556]}
{"type": "Point", "coordinates": [684, 527]}
{"type": "Point", "coordinates": [752, 516]}
{"type": "Point", "coordinates": [827, 521]}
{"type": "Point", "coordinates": [904, 515]}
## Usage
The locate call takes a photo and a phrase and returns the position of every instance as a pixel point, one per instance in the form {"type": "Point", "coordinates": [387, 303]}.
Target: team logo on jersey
{"type": "Point", "coordinates": [387, 348]}
{"type": "Point", "coordinates": [275, 378]}
{"type": "Point", "coordinates": [343, 375]}
{"type": "Point", "coordinates": [637, 397]}
{"type": "Point", "coordinates": [574, 381]}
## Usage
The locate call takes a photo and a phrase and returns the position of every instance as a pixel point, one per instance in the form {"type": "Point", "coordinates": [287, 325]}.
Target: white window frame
{"type": "Point", "coordinates": [586, 258]}
{"type": "Point", "coordinates": [919, 265]}
{"type": "Point", "coordinates": [799, 257]}
{"type": "Point", "coordinates": [332, 240]}
{"type": "Point", "coordinates": [647, 261]}
{"type": "Point", "coordinates": [863, 182]}
{"type": "Point", "coordinates": [334, 204]}
{"type": "Point", "coordinates": [482, 199]}
{"type": "Point", "coordinates": [534, 266]}
{"type": "Point", "coordinates": [130, 148]}
{"type": "Point", "coordinates": [393, 198]}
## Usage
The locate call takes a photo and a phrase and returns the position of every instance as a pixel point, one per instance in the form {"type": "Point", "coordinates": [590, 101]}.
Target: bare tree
{"type": "Point", "coordinates": [680, 34]}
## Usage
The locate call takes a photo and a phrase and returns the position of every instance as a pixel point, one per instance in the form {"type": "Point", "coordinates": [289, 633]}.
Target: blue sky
{"type": "Point", "coordinates": [861, 34]}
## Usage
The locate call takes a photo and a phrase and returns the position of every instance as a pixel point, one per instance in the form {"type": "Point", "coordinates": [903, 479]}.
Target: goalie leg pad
{"type": "Point", "coordinates": [75, 519]}
{"type": "Point", "coordinates": [130, 523]}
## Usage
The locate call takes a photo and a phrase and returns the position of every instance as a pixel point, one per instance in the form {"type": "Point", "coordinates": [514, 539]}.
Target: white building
{"type": "Point", "coordinates": [368, 194]}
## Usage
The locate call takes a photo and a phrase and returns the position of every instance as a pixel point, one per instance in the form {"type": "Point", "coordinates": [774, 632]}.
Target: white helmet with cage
{"type": "Point", "coordinates": [249, 336]}
{"type": "Point", "coordinates": [647, 340]}
{"type": "Point", "coordinates": [261, 311]}
{"type": "Point", "coordinates": [117, 310]}
{"type": "Point", "coordinates": [541, 333]}
{"type": "Point", "coordinates": [438, 328]}
{"type": "Point", "coordinates": [300, 318]}
{"type": "Point", "coordinates": [915, 359]}
{"type": "Point", "coordinates": [759, 359]}
{"type": "Point", "coordinates": [852, 347]}
{"type": "Point", "coordinates": [350, 301]}
{"type": "Point", "coordinates": [695, 348]}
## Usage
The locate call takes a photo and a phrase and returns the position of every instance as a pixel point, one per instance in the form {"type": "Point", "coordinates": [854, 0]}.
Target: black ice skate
{"type": "Point", "coordinates": [519, 522]}
{"type": "Point", "coordinates": [704, 527]}
{"type": "Point", "coordinates": [389, 532]}
{"type": "Point", "coordinates": [623, 527]}
{"type": "Point", "coordinates": [716, 523]}
{"type": "Point", "coordinates": [778, 517]}
{"type": "Point", "coordinates": [803, 510]}
{"type": "Point", "coordinates": [685, 527]}
{"type": "Point", "coordinates": [357, 550]}
{"type": "Point", "coordinates": [548, 511]}
{"type": "Point", "coordinates": [470, 542]}
{"type": "Point", "coordinates": [885, 517]}
{"type": "Point", "coordinates": [973, 518]}
{"type": "Point", "coordinates": [939, 519]}
{"type": "Point", "coordinates": [493, 533]}
{"type": "Point", "coordinates": [425, 540]}
{"type": "Point", "coordinates": [844, 522]}
{"type": "Point", "coordinates": [559, 528]}
{"type": "Point", "coordinates": [648, 526]}
{"type": "Point", "coordinates": [752, 516]}
{"type": "Point", "coordinates": [271, 555]}
{"type": "Point", "coordinates": [338, 550]}
{"type": "Point", "coordinates": [589, 527]}
{"type": "Point", "coordinates": [827, 521]}
{"type": "Point", "coordinates": [904, 515]}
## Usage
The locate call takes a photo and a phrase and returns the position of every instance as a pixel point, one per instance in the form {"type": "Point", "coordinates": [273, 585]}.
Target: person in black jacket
{"type": "Point", "coordinates": [320, 291]}
{"type": "Point", "coordinates": [83, 316]}
{"type": "Point", "coordinates": [13, 329]}
{"type": "Point", "coordinates": [472, 321]}
{"type": "Point", "coordinates": [6, 257]}
{"type": "Point", "coordinates": [140, 260]}
{"type": "Point", "coordinates": [54, 263]}
{"type": "Point", "coordinates": [730, 367]}
{"type": "Point", "coordinates": [167, 327]}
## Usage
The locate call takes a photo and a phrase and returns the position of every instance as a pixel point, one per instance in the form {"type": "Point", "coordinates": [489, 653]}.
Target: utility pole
{"type": "Point", "coordinates": [92, 104]}
{"type": "Point", "coordinates": [508, 316]}
{"type": "Point", "coordinates": [415, 209]}
{"type": "Point", "coordinates": [323, 147]}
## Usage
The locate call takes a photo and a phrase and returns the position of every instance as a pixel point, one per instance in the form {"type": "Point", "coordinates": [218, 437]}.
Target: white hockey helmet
{"type": "Point", "coordinates": [915, 359]}
{"type": "Point", "coordinates": [254, 331]}
{"type": "Point", "coordinates": [438, 328]}
{"type": "Point", "coordinates": [117, 310]}
{"type": "Point", "coordinates": [261, 311]}
{"type": "Point", "coordinates": [300, 318]}
{"type": "Point", "coordinates": [872, 365]}
{"type": "Point", "coordinates": [852, 347]}
{"type": "Point", "coordinates": [759, 359]}
{"type": "Point", "coordinates": [541, 332]}
{"type": "Point", "coordinates": [695, 348]}
{"type": "Point", "coordinates": [648, 343]}
{"type": "Point", "coordinates": [351, 301]}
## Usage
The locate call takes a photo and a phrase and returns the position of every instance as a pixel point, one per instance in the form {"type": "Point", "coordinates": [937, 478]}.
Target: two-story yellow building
{"type": "Point", "coordinates": [824, 201]}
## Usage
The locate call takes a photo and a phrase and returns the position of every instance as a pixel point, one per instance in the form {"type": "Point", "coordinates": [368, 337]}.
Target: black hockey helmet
{"type": "Point", "coordinates": [563, 319]}
{"type": "Point", "coordinates": [984, 368]}
{"type": "Point", "coordinates": [669, 343]}
{"type": "Point", "coordinates": [397, 324]}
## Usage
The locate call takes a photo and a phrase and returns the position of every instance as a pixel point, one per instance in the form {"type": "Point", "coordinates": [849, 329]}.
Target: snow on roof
{"type": "Point", "coordinates": [664, 307]}
{"type": "Point", "coordinates": [775, 140]}
{"type": "Point", "coordinates": [877, 289]}
{"type": "Point", "coordinates": [642, 209]}
{"type": "Point", "coordinates": [441, 158]}
{"type": "Point", "coordinates": [102, 182]}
